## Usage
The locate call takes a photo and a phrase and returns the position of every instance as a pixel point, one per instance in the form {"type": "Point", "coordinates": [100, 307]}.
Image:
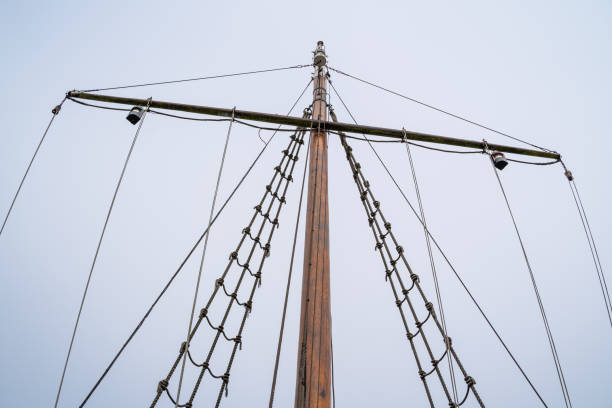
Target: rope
{"type": "Point", "coordinates": [591, 241]}
{"type": "Point", "coordinates": [551, 341]}
{"type": "Point", "coordinates": [434, 274]}
{"type": "Point", "coordinates": [195, 295]}
{"type": "Point", "coordinates": [55, 112]}
{"type": "Point", "coordinates": [95, 258]}
{"type": "Point", "coordinates": [449, 263]}
{"type": "Point", "coordinates": [282, 326]}
{"type": "Point", "coordinates": [180, 267]}
{"type": "Point", "coordinates": [199, 78]}
{"type": "Point", "coordinates": [288, 160]}
{"type": "Point", "coordinates": [440, 110]}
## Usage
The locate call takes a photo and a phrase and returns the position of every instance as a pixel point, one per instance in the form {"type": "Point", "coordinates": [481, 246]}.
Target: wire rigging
{"type": "Point", "coordinates": [446, 259]}
{"type": "Point", "coordinates": [462, 118]}
{"type": "Point", "coordinates": [591, 241]}
{"type": "Point", "coordinates": [55, 111]}
{"type": "Point", "coordinates": [185, 259]}
{"type": "Point", "coordinates": [95, 258]}
{"type": "Point", "coordinates": [197, 286]}
{"type": "Point", "coordinates": [401, 292]}
{"type": "Point", "coordinates": [434, 275]}
{"type": "Point", "coordinates": [551, 340]}
{"type": "Point", "coordinates": [282, 326]}
{"type": "Point", "coordinates": [176, 81]}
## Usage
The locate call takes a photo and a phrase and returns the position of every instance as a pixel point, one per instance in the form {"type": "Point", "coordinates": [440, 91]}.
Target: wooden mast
{"type": "Point", "coordinates": [313, 383]}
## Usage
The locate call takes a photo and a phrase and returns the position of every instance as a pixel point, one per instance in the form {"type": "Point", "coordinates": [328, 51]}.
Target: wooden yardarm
{"type": "Point", "coordinates": [313, 383]}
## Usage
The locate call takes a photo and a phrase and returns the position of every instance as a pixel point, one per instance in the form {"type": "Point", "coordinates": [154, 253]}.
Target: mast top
{"type": "Point", "coordinates": [320, 58]}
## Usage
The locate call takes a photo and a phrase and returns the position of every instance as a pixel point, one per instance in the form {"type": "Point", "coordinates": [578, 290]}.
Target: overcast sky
{"type": "Point", "coordinates": [537, 70]}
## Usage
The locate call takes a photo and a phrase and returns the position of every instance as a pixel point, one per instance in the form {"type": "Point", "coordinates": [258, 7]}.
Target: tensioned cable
{"type": "Point", "coordinates": [435, 276]}
{"type": "Point", "coordinates": [446, 259]}
{"type": "Point", "coordinates": [197, 288]}
{"type": "Point", "coordinates": [440, 110]}
{"type": "Point", "coordinates": [199, 78]}
{"type": "Point", "coordinates": [95, 258]}
{"type": "Point", "coordinates": [589, 234]}
{"type": "Point", "coordinates": [180, 267]}
{"type": "Point", "coordinates": [282, 326]}
{"type": "Point", "coordinates": [55, 112]}
{"type": "Point", "coordinates": [551, 340]}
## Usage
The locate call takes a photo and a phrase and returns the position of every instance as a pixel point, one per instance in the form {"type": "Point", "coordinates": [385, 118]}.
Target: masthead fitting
{"type": "Point", "coordinates": [135, 114]}
{"type": "Point", "coordinates": [320, 58]}
{"type": "Point", "coordinates": [499, 160]}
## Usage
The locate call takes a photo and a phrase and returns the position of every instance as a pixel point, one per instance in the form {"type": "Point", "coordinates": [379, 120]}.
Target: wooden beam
{"type": "Point", "coordinates": [314, 124]}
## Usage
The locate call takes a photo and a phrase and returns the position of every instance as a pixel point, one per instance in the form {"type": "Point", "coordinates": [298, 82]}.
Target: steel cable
{"type": "Point", "coordinates": [180, 267]}
{"type": "Point", "coordinates": [440, 110]}
{"type": "Point", "coordinates": [197, 287]}
{"type": "Point", "coordinates": [434, 275]}
{"type": "Point", "coordinates": [447, 260]}
{"type": "Point", "coordinates": [591, 241]}
{"type": "Point", "coordinates": [199, 78]}
{"type": "Point", "coordinates": [55, 112]}
{"type": "Point", "coordinates": [551, 340]}
{"type": "Point", "coordinates": [95, 258]}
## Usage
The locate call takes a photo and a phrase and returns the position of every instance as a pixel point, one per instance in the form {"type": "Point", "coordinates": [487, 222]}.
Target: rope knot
{"type": "Point", "coordinates": [429, 306]}
{"type": "Point", "coordinates": [370, 221]}
{"type": "Point", "coordinates": [469, 381]}
{"type": "Point", "coordinates": [183, 347]}
{"type": "Point", "coordinates": [162, 386]}
{"type": "Point", "coordinates": [388, 225]}
{"type": "Point", "coordinates": [366, 184]}
{"type": "Point", "coordinates": [249, 304]}
{"type": "Point", "coordinates": [203, 312]}
{"type": "Point", "coordinates": [234, 255]}
{"type": "Point", "coordinates": [376, 204]}
{"type": "Point", "coordinates": [357, 165]}
{"type": "Point", "coordinates": [400, 249]}
{"type": "Point", "coordinates": [246, 230]}
{"type": "Point", "coordinates": [414, 277]}
{"type": "Point", "coordinates": [56, 110]}
{"type": "Point", "coordinates": [238, 340]}
{"type": "Point", "coordinates": [398, 303]}
{"type": "Point", "coordinates": [422, 374]}
{"type": "Point", "coordinates": [388, 274]}
{"type": "Point", "coordinates": [569, 175]}
{"type": "Point", "coordinates": [219, 282]}
{"type": "Point", "coordinates": [258, 207]}
{"type": "Point", "coordinates": [378, 246]}
{"type": "Point", "coordinates": [268, 187]}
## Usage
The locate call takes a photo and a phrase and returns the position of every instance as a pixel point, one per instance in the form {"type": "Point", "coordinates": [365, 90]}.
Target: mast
{"type": "Point", "coordinates": [313, 382]}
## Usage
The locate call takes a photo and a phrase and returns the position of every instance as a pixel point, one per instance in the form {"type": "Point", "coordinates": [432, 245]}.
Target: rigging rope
{"type": "Point", "coordinates": [284, 172]}
{"type": "Point", "coordinates": [182, 264]}
{"type": "Point", "coordinates": [55, 111]}
{"type": "Point", "coordinates": [95, 258]}
{"type": "Point", "coordinates": [440, 110]}
{"type": "Point", "coordinates": [446, 259]}
{"type": "Point", "coordinates": [591, 241]}
{"type": "Point", "coordinates": [373, 212]}
{"type": "Point", "coordinates": [282, 326]}
{"type": "Point", "coordinates": [199, 78]}
{"type": "Point", "coordinates": [197, 287]}
{"type": "Point", "coordinates": [434, 274]}
{"type": "Point", "coordinates": [551, 340]}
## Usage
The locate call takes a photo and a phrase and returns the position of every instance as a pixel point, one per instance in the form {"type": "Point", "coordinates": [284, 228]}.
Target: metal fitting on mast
{"type": "Point", "coordinates": [319, 60]}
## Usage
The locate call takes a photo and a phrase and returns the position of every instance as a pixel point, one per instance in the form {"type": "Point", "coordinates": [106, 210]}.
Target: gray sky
{"type": "Point", "coordinates": [538, 70]}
